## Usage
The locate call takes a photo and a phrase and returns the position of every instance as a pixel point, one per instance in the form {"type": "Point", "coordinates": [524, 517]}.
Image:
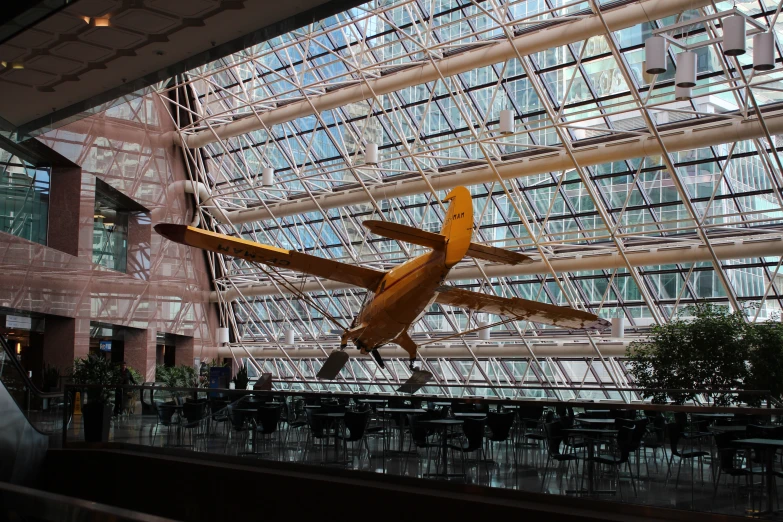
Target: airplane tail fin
{"type": "Point", "coordinates": [458, 227]}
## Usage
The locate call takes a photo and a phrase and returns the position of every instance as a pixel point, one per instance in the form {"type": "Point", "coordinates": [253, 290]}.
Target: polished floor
{"type": "Point", "coordinates": [513, 464]}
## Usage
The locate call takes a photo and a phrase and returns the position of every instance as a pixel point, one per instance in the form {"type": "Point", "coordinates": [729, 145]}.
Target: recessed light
{"type": "Point", "coordinates": [101, 22]}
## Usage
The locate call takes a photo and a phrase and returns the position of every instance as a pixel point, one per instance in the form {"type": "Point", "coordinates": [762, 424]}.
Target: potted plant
{"type": "Point", "coordinates": [96, 410]}
{"type": "Point", "coordinates": [240, 379]}
{"type": "Point", "coordinates": [181, 376]}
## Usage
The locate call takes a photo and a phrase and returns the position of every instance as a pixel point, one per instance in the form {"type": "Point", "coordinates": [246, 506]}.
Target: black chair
{"type": "Point", "coordinates": [625, 438]}
{"type": "Point", "coordinates": [354, 426]}
{"type": "Point", "coordinates": [530, 417]}
{"type": "Point", "coordinates": [727, 457]}
{"type": "Point", "coordinates": [317, 432]}
{"type": "Point", "coordinates": [165, 418]}
{"type": "Point", "coordinates": [239, 426]}
{"type": "Point", "coordinates": [674, 431]}
{"type": "Point", "coordinates": [195, 414]}
{"type": "Point", "coordinates": [499, 428]}
{"type": "Point", "coordinates": [218, 412]}
{"type": "Point", "coordinates": [420, 439]}
{"type": "Point", "coordinates": [266, 424]}
{"type": "Point", "coordinates": [554, 439]}
{"type": "Point", "coordinates": [654, 440]}
{"type": "Point", "coordinates": [473, 442]}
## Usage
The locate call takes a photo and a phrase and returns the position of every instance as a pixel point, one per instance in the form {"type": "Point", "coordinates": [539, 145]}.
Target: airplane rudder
{"type": "Point", "coordinates": [458, 226]}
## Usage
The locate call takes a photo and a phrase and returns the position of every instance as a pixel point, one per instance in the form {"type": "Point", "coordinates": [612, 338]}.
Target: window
{"type": "Point", "coordinates": [24, 199]}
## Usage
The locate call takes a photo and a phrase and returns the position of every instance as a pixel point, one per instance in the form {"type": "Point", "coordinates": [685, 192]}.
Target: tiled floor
{"type": "Point", "coordinates": [497, 468]}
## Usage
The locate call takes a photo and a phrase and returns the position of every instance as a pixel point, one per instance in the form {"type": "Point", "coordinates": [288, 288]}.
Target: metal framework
{"type": "Point", "coordinates": [424, 80]}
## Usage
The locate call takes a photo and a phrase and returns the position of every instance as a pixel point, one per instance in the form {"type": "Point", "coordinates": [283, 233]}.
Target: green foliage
{"type": "Point", "coordinates": [96, 370]}
{"type": "Point", "coordinates": [709, 352]}
{"type": "Point", "coordinates": [137, 377]}
{"type": "Point", "coordinates": [766, 361]}
{"type": "Point", "coordinates": [240, 379]}
{"type": "Point", "coordinates": [181, 376]}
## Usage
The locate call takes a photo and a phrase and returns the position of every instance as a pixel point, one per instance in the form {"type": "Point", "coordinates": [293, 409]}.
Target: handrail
{"type": "Point", "coordinates": [11, 356]}
{"type": "Point", "coordinates": [488, 400]}
{"type": "Point", "coordinates": [35, 504]}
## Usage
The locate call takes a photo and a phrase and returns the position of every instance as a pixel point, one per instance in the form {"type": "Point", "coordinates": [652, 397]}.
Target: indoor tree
{"type": "Point", "coordinates": [766, 361]}
{"type": "Point", "coordinates": [707, 351]}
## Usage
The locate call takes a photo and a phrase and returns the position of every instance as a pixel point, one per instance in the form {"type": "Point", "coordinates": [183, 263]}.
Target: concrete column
{"type": "Point", "coordinates": [65, 205]}
{"type": "Point", "coordinates": [65, 339]}
{"type": "Point", "coordinates": [184, 350]}
{"type": "Point", "coordinates": [140, 351]}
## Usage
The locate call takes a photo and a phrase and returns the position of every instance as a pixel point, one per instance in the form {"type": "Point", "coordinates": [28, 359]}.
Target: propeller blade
{"type": "Point", "coordinates": [334, 363]}
{"type": "Point", "coordinates": [415, 382]}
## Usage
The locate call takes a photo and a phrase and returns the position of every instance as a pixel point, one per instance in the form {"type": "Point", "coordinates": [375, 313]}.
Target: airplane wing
{"type": "Point", "coordinates": [435, 241]}
{"type": "Point", "coordinates": [270, 255]}
{"type": "Point", "coordinates": [522, 309]}
{"type": "Point", "coordinates": [405, 233]}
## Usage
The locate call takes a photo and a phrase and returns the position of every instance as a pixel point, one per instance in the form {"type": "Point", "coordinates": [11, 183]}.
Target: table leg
{"type": "Point", "coordinates": [590, 454]}
{"type": "Point", "coordinates": [770, 478]}
{"type": "Point", "coordinates": [445, 451]}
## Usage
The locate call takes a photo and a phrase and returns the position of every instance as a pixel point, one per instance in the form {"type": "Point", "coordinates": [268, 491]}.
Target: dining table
{"type": "Point", "coordinates": [334, 419]}
{"type": "Point", "coordinates": [442, 425]}
{"type": "Point", "coordinates": [768, 448]}
{"type": "Point", "coordinates": [402, 412]}
{"type": "Point", "coordinates": [592, 438]}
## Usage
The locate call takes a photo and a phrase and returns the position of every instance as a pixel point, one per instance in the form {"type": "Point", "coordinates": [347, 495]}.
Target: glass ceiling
{"type": "Point", "coordinates": [563, 98]}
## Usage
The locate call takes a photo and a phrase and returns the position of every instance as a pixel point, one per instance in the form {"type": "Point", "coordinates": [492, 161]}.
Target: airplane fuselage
{"type": "Point", "coordinates": [402, 296]}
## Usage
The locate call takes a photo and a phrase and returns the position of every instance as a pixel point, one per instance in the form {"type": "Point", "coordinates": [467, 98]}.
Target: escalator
{"type": "Point", "coordinates": [28, 419]}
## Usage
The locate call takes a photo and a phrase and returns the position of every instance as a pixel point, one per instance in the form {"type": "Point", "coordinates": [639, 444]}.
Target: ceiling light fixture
{"type": "Point", "coordinates": [101, 22]}
{"type": "Point", "coordinates": [734, 25]}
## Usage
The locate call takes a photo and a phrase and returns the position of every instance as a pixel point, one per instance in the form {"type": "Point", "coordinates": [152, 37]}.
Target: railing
{"type": "Point", "coordinates": [20, 503]}
{"type": "Point", "coordinates": [43, 410]}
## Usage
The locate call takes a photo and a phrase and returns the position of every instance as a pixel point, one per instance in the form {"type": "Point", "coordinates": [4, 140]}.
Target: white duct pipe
{"type": "Point", "coordinates": [697, 136]}
{"type": "Point", "coordinates": [663, 254]}
{"type": "Point", "coordinates": [612, 349]}
{"type": "Point", "coordinates": [547, 38]}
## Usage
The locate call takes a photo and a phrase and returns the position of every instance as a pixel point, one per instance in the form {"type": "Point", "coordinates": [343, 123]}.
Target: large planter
{"type": "Point", "coordinates": [97, 419]}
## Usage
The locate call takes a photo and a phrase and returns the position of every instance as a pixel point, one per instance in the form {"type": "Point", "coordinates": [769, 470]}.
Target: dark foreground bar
{"type": "Point", "coordinates": [205, 487]}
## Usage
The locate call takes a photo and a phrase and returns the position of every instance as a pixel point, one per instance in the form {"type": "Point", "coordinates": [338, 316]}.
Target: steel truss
{"type": "Point", "coordinates": [585, 90]}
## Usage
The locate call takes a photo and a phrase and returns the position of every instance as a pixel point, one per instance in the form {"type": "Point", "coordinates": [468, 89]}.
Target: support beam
{"type": "Point", "coordinates": [551, 36]}
{"type": "Point", "coordinates": [675, 140]}
{"type": "Point", "coordinates": [662, 254]}
{"type": "Point", "coordinates": [585, 349]}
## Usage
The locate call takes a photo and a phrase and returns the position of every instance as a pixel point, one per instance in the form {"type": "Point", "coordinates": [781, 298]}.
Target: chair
{"type": "Point", "coordinates": [674, 431]}
{"type": "Point", "coordinates": [239, 427]}
{"type": "Point", "coordinates": [554, 438]}
{"type": "Point", "coordinates": [268, 420]}
{"type": "Point", "coordinates": [295, 419]}
{"type": "Point", "coordinates": [727, 457]}
{"type": "Point", "coordinates": [655, 439]}
{"type": "Point", "coordinates": [195, 413]}
{"type": "Point", "coordinates": [473, 430]}
{"type": "Point", "coordinates": [317, 431]}
{"type": "Point", "coordinates": [354, 426]}
{"type": "Point", "coordinates": [165, 415]}
{"type": "Point", "coordinates": [420, 439]}
{"type": "Point", "coordinates": [625, 438]}
{"type": "Point", "coordinates": [531, 415]}
{"type": "Point", "coordinates": [499, 427]}
{"type": "Point", "coordinates": [218, 412]}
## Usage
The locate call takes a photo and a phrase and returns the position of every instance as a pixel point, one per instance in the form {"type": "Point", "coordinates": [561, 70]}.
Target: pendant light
{"type": "Point", "coordinates": [655, 55]}
{"type": "Point", "coordinates": [484, 334]}
{"type": "Point", "coordinates": [222, 335]}
{"type": "Point", "coordinates": [618, 327]}
{"type": "Point", "coordinates": [764, 51]}
{"type": "Point", "coordinates": [268, 177]}
{"type": "Point", "coordinates": [371, 154]}
{"type": "Point", "coordinates": [734, 35]}
{"type": "Point", "coordinates": [685, 76]}
{"type": "Point", "coordinates": [507, 121]}
{"type": "Point", "coordinates": [290, 337]}
{"type": "Point", "coordinates": [683, 93]}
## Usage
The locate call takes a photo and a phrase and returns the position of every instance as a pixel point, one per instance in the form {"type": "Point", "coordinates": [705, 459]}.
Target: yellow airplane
{"type": "Point", "coordinates": [397, 298]}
